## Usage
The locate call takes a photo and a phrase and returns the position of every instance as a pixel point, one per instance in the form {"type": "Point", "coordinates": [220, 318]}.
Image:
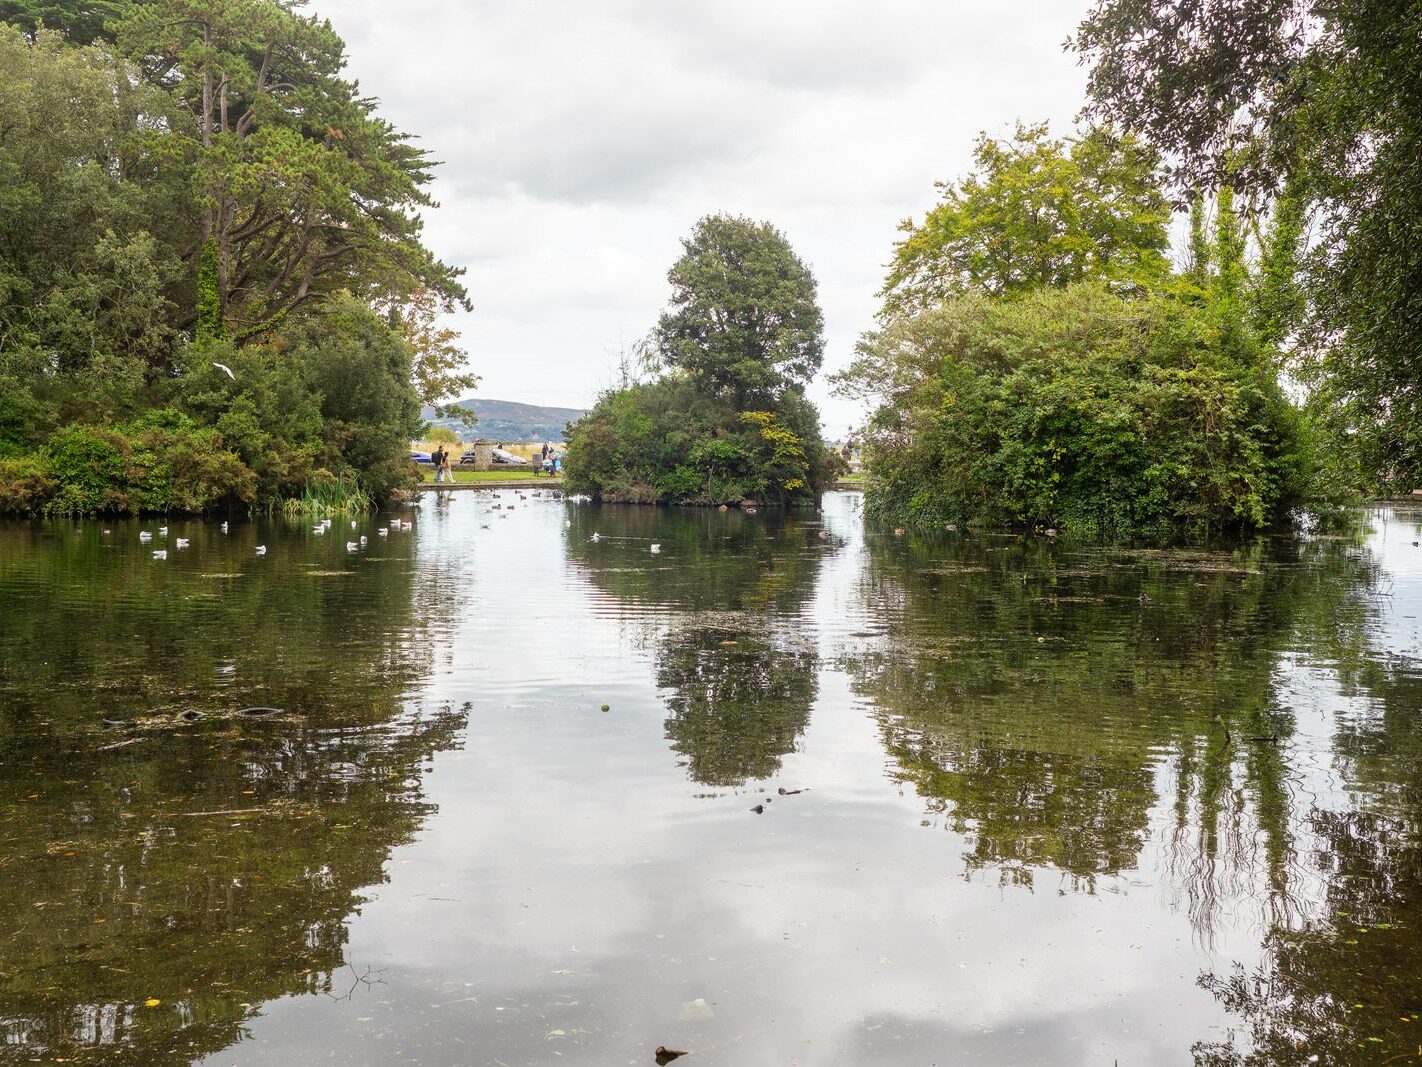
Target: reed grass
{"type": "Point", "coordinates": [343, 496]}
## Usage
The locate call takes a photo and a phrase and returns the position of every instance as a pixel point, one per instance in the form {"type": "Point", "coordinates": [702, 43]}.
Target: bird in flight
{"type": "Point", "coordinates": [225, 369]}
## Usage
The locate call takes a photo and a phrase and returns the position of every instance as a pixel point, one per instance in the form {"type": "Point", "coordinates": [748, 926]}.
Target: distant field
{"type": "Point", "coordinates": [515, 474]}
{"type": "Point", "coordinates": [523, 449]}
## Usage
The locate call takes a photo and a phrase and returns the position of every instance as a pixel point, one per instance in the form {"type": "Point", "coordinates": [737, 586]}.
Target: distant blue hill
{"type": "Point", "coordinates": [505, 420]}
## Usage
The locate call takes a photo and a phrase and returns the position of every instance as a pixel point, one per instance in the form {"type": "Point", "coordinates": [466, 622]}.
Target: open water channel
{"type": "Point", "coordinates": [1046, 803]}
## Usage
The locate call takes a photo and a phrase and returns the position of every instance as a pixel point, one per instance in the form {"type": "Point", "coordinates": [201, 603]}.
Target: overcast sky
{"type": "Point", "coordinates": [581, 139]}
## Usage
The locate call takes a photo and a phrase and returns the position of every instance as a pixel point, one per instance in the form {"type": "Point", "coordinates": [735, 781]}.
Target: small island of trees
{"type": "Point", "coordinates": [725, 420]}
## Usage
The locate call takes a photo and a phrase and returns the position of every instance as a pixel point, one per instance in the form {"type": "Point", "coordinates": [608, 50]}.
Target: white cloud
{"type": "Point", "coordinates": [581, 141]}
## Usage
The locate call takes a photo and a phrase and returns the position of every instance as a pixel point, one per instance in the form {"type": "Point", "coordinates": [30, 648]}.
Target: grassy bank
{"type": "Point", "coordinates": [517, 475]}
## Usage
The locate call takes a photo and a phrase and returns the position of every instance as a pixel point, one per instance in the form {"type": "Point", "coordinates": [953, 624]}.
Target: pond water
{"type": "Point", "coordinates": [1045, 802]}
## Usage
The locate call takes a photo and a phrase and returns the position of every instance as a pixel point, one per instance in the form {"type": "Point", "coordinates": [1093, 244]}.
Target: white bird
{"type": "Point", "coordinates": [161, 553]}
{"type": "Point", "coordinates": [162, 531]}
{"type": "Point", "coordinates": [261, 550]}
{"type": "Point", "coordinates": [183, 542]}
{"type": "Point", "coordinates": [144, 536]}
{"type": "Point", "coordinates": [595, 537]}
{"type": "Point", "coordinates": [351, 546]}
{"type": "Point", "coordinates": [362, 539]}
{"type": "Point", "coordinates": [319, 528]}
{"type": "Point", "coordinates": [568, 524]}
{"type": "Point", "coordinates": [225, 369]}
{"type": "Point", "coordinates": [224, 527]}
{"type": "Point", "coordinates": [656, 548]}
{"type": "Point", "coordinates": [383, 532]}
{"type": "Point", "coordinates": [353, 524]}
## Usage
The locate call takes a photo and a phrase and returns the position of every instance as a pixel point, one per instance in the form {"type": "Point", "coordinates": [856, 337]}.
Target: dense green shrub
{"type": "Point", "coordinates": [1080, 409]}
{"type": "Point", "coordinates": [158, 463]}
{"type": "Point", "coordinates": [25, 486]}
{"type": "Point", "coordinates": [665, 441]}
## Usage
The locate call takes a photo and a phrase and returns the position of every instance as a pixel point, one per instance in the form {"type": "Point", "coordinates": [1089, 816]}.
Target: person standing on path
{"type": "Point", "coordinates": [437, 461]}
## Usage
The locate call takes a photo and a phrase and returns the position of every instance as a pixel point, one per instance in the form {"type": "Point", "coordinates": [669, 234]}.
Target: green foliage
{"type": "Point", "coordinates": [158, 463]}
{"type": "Point", "coordinates": [1036, 211]}
{"type": "Point", "coordinates": [1315, 105]}
{"type": "Point", "coordinates": [329, 496]}
{"type": "Point", "coordinates": [143, 238]}
{"type": "Point", "coordinates": [665, 442]}
{"type": "Point", "coordinates": [210, 325]}
{"type": "Point", "coordinates": [25, 485]}
{"type": "Point", "coordinates": [267, 109]}
{"type": "Point", "coordinates": [743, 318]}
{"type": "Point", "coordinates": [730, 422]}
{"type": "Point", "coordinates": [1079, 409]}
{"type": "Point", "coordinates": [81, 21]}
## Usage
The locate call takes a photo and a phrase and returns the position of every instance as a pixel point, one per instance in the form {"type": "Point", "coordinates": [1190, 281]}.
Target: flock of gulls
{"type": "Point", "coordinates": [324, 527]}
{"type": "Point", "coordinates": [179, 543]}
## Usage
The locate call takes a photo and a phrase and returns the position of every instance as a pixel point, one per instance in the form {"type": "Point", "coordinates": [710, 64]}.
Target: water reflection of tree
{"type": "Point", "coordinates": [1034, 700]}
{"type": "Point", "coordinates": [1346, 987]}
{"type": "Point", "coordinates": [731, 653]}
{"type": "Point", "coordinates": [207, 867]}
{"type": "Point", "coordinates": [738, 700]}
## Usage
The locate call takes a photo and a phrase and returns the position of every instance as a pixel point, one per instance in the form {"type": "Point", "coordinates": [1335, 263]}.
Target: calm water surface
{"type": "Point", "coordinates": [1059, 804]}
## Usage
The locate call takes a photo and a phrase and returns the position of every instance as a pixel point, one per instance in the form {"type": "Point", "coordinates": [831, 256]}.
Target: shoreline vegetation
{"type": "Point", "coordinates": [175, 338]}
{"type": "Point", "coordinates": [1041, 363]}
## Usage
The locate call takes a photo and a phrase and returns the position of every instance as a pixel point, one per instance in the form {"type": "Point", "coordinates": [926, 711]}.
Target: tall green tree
{"type": "Point", "coordinates": [744, 319]}
{"type": "Point", "coordinates": [1036, 210]}
{"type": "Point", "coordinates": [93, 216]}
{"type": "Point", "coordinates": [303, 188]}
{"type": "Point", "coordinates": [1322, 100]}
{"type": "Point", "coordinates": [81, 21]}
